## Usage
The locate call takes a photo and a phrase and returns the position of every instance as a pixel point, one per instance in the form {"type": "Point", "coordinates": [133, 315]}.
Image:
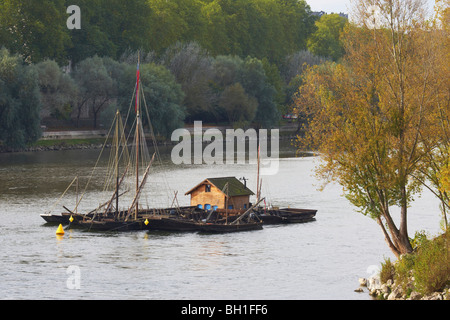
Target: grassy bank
{"type": "Point", "coordinates": [67, 142]}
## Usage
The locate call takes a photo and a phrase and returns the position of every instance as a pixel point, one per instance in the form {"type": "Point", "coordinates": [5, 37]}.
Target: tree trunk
{"type": "Point", "coordinates": [404, 239]}
{"type": "Point", "coordinates": [388, 239]}
{"type": "Point", "coordinates": [397, 239]}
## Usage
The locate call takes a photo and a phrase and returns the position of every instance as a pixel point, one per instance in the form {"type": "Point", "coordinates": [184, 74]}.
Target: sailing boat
{"type": "Point", "coordinates": [133, 218]}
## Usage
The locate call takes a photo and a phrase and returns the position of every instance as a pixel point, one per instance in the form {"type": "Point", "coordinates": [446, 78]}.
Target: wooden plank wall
{"type": "Point", "coordinates": [216, 198]}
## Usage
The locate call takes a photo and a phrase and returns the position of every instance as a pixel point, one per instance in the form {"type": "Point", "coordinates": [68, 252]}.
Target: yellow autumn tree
{"type": "Point", "coordinates": [366, 116]}
{"type": "Point", "coordinates": [445, 179]}
{"type": "Point", "coordinates": [436, 136]}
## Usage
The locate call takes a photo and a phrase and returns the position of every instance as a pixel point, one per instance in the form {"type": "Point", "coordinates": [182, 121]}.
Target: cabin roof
{"type": "Point", "coordinates": [235, 187]}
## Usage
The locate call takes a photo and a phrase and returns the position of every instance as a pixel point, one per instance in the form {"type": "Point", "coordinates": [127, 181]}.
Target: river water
{"type": "Point", "coordinates": [322, 259]}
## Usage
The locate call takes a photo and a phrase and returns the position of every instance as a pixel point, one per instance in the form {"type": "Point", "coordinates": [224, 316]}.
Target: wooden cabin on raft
{"type": "Point", "coordinates": [221, 193]}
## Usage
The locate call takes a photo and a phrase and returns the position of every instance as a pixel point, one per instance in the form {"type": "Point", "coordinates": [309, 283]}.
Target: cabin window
{"type": "Point", "coordinates": [230, 206]}
{"type": "Point", "coordinates": [245, 206]}
{"type": "Point", "coordinates": [208, 188]}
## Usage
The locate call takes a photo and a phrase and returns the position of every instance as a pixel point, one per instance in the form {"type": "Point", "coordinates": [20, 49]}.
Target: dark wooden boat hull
{"type": "Point", "coordinates": [109, 225]}
{"type": "Point", "coordinates": [54, 218]}
{"type": "Point", "coordinates": [286, 215]}
{"type": "Point", "coordinates": [63, 218]}
{"type": "Point", "coordinates": [227, 228]}
{"type": "Point", "coordinates": [167, 224]}
{"type": "Point", "coordinates": [178, 224]}
{"type": "Point", "coordinates": [171, 224]}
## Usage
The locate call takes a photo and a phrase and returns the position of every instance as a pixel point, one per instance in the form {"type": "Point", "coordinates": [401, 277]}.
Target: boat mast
{"type": "Point", "coordinates": [257, 177]}
{"type": "Point", "coordinates": [117, 163]}
{"type": "Point", "coordinates": [76, 205]}
{"type": "Point", "coordinates": [226, 204]}
{"type": "Point", "coordinates": [137, 137]}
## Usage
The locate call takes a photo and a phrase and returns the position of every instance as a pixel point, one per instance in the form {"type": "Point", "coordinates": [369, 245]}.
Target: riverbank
{"type": "Point", "coordinates": [95, 139]}
{"type": "Point", "coordinates": [394, 291]}
{"type": "Point", "coordinates": [69, 144]}
{"type": "Point", "coordinates": [421, 275]}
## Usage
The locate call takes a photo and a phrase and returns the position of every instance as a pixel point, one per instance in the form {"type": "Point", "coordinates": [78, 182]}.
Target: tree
{"type": "Point", "coordinates": [110, 28]}
{"type": "Point", "coordinates": [58, 90]}
{"type": "Point", "coordinates": [96, 87]}
{"type": "Point", "coordinates": [291, 72]}
{"type": "Point", "coordinates": [216, 40]}
{"type": "Point", "coordinates": [251, 76]}
{"type": "Point", "coordinates": [93, 38]}
{"type": "Point", "coordinates": [436, 136]}
{"type": "Point", "coordinates": [164, 97]}
{"type": "Point", "coordinates": [261, 29]}
{"type": "Point", "coordinates": [36, 29]}
{"type": "Point", "coordinates": [19, 102]}
{"type": "Point", "coordinates": [325, 41]}
{"type": "Point", "coordinates": [445, 178]}
{"type": "Point", "coordinates": [367, 114]}
{"type": "Point", "coordinates": [240, 107]}
{"type": "Point", "coordinates": [297, 62]}
{"type": "Point", "coordinates": [255, 82]}
{"type": "Point", "coordinates": [192, 67]}
{"type": "Point", "coordinates": [226, 71]}
{"type": "Point", "coordinates": [274, 79]}
{"type": "Point", "coordinates": [176, 21]}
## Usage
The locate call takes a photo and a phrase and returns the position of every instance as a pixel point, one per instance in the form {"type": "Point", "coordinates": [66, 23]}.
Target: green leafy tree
{"type": "Point", "coordinates": [251, 75]}
{"type": "Point", "coordinates": [255, 82]}
{"type": "Point", "coordinates": [58, 90]}
{"type": "Point", "coordinates": [192, 67]}
{"type": "Point", "coordinates": [325, 41]}
{"type": "Point", "coordinates": [239, 107]}
{"type": "Point", "coordinates": [274, 79]}
{"type": "Point", "coordinates": [176, 21]}
{"type": "Point", "coordinates": [216, 39]}
{"type": "Point", "coordinates": [19, 102]}
{"type": "Point", "coordinates": [269, 29]}
{"type": "Point", "coordinates": [36, 29]}
{"type": "Point", "coordinates": [110, 28]}
{"type": "Point", "coordinates": [96, 88]}
{"type": "Point", "coordinates": [93, 38]}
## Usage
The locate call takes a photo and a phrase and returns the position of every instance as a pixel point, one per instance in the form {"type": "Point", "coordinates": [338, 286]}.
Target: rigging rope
{"type": "Point", "coordinates": [158, 155]}
{"type": "Point", "coordinates": [59, 199]}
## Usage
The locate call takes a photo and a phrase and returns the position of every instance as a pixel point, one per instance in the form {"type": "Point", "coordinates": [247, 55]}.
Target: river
{"type": "Point", "coordinates": [322, 259]}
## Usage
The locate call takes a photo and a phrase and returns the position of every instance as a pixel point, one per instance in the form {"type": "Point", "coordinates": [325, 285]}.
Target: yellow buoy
{"type": "Point", "coordinates": [71, 218]}
{"type": "Point", "coordinates": [146, 222]}
{"type": "Point", "coordinates": [60, 230]}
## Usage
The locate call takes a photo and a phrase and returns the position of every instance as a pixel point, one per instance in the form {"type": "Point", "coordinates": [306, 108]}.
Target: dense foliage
{"type": "Point", "coordinates": [426, 270]}
{"type": "Point", "coordinates": [227, 61]}
{"type": "Point", "coordinates": [19, 101]}
{"type": "Point", "coordinates": [258, 28]}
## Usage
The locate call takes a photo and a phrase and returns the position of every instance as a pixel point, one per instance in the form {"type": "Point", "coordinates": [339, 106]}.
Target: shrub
{"type": "Point", "coordinates": [403, 270]}
{"type": "Point", "coordinates": [387, 271]}
{"type": "Point", "coordinates": [432, 265]}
